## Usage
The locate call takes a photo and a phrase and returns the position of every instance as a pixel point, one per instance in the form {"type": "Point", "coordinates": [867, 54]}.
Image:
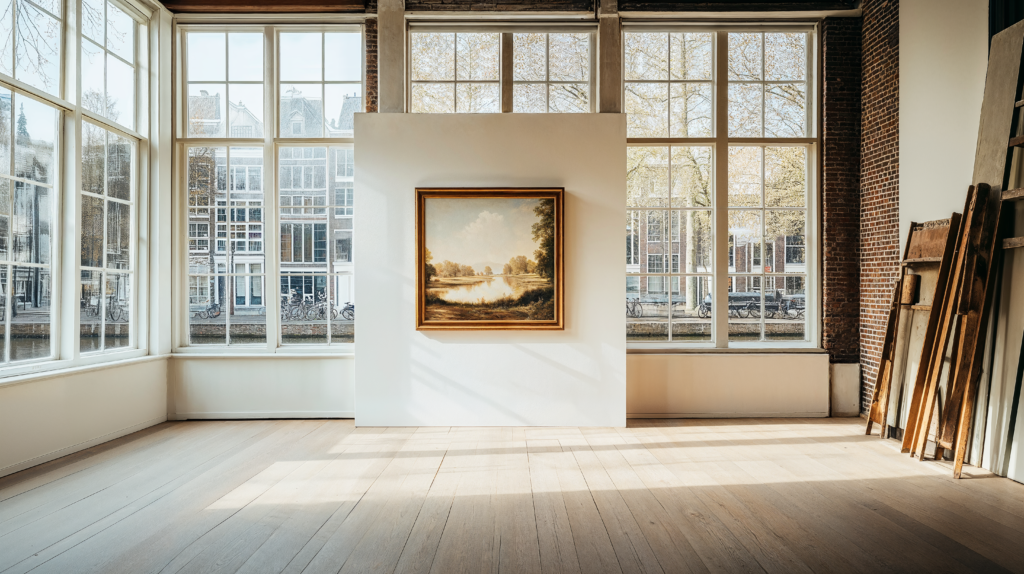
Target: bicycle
{"type": "Point", "coordinates": [634, 308]}
{"type": "Point", "coordinates": [319, 310]}
{"type": "Point", "coordinates": [115, 310]}
{"type": "Point", "coordinates": [212, 311]}
{"type": "Point", "coordinates": [349, 312]}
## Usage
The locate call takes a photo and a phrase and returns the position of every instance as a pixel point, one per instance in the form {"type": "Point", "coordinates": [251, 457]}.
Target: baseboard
{"type": "Point", "coordinates": [18, 467]}
{"type": "Point", "coordinates": [745, 415]}
{"type": "Point", "coordinates": [266, 415]}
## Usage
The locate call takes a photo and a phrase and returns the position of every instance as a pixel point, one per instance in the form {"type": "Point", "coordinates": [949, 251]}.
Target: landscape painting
{"type": "Point", "coordinates": [489, 259]}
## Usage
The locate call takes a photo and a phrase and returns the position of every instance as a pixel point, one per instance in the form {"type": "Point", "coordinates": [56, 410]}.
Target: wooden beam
{"type": "Point", "coordinates": [255, 6]}
{"type": "Point", "coordinates": [1013, 194]}
{"type": "Point", "coordinates": [1013, 242]}
{"type": "Point", "coordinates": [733, 6]}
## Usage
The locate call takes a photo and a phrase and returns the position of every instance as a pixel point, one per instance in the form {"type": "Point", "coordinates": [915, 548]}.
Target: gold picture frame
{"type": "Point", "coordinates": [529, 291]}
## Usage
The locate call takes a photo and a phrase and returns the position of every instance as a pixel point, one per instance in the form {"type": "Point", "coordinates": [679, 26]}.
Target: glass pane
{"type": "Point", "coordinates": [302, 110]}
{"type": "Point", "coordinates": [744, 176]}
{"type": "Point", "coordinates": [691, 56]}
{"type": "Point", "coordinates": [785, 176]}
{"type": "Point", "coordinates": [691, 242]}
{"type": "Point", "coordinates": [207, 323]}
{"type": "Point", "coordinates": [117, 311]}
{"type": "Point", "coordinates": [248, 307]}
{"type": "Point", "coordinates": [646, 56]}
{"type": "Point", "coordinates": [343, 102]}
{"type": "Point", "coordinates": [344, 57]}
{"type": "Point", "coordinates": [31, 225]}
{"type": "Point", "coordinates": [647, 109]}
{"type": "Point", "coordinates": [785, 56]}
{"type": "Point", "coordinates": [647, 176]}
{"type": "Point", "coordinates": [745, 308]}
{"type": "Point", "coordinates": [119, 228]}
{"type": "Point", "coordinates": [38, 48]}
{"type": "Point", "coordinates": [35, 134]}
{"type": "Point", "coordinates": [653, 238]}
{"type": "Point", "coordinates": [745, 110]}
{"type": "Point", "coordinates": [528, 57]}
{"type": "Point", "coordinates": [119, 167]}
{"type": "Point", "coordinates": [206, 57]}
{"type": "Point", "coordinates": [691, 110]}
{"type": "Point", "coordinates": [691, 309]}
{"type": "Point", "coordinates": [7, 37]}
{"type": "Point", "coordinates": [344, 314]}
{"type": "Point", "coordinates": [91, 312]}
{"type": "Point", "coordinates": [529, 98]}
{"type": "Point", "coordinates": [569, 55]}
{"type": "Point", "coordinates": [646, 309]}
{"type": "Point", "coordinates": [5, 219]}
{"type": "Point", "coordinates": [4, 270]}
{"type": "Point", "coordinates": [6, 133]}
{"type": "Point", "coordinates": [93, 158]}
{"type": "Point", "coordinates": [784, 232]}
{"type": "Point", "coordinates": [745, 254]}
{"type": "Point", "coordinates": [691, 177]}
{"type": "Point", "coordinates": [433, 56]}
{"type": "Point", "coordinates": [570, 98]}
{"type": "Point", "coordinates": [92, 19]}
{"type": "Point", "coordinates": [30, 313]}
{"type": "Point", "coordinates": [304, 309]}
{"type": "Point", "coordinates": [120, 33]}
{"type": "Point", "coordinates": [433, 98]}
{"type": "Point", "coordinates": [120, 92]}
{"type": "Point", "coordinates": [785, 111]}
{"type": "Point", "coordinates": [478, 98]}
{"type": "Point", "coordinates": [301, 57]}
{"type": "Point", "coordinates": [245, 110]}
{"type": "Point", "coordinates": [202, 168]}
{"type": "Point", "coordinates": [94, 96]}
{"type": "Point", "coordinates": [206, 110]}
{"type": "Point", "coordinates": [92, 231]}
{"type": "Point", "coordinates": [245, 57]}
{"type": "Point", "coordinates": [785, 303]}
{"type": "Point", "coordinates": [745, 56]}
{"type": "Point", "coordinates": [477, 56]}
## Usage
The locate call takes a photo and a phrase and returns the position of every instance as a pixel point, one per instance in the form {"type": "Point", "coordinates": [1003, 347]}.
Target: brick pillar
{"type": "Point", "coordinates": [371, 63]}
{"type": "Point", "coordinates": [840, 188]}
{"type": "Point", "coordinates": [879, 181]}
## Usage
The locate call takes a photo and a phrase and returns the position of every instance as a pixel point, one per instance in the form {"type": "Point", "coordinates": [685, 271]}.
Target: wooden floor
{"type": "Point", "coordinates": [659, 496]}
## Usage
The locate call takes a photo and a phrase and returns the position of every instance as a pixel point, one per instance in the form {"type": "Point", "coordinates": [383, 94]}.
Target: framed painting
{"type": "Point", "coordinates": [489, 258]}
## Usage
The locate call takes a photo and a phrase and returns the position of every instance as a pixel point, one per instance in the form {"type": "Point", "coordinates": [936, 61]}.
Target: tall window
{"type": "Point", "coordinates": [462, 72]}
{"type": "Point", "coordinates": [277, 269]}
{"type": "Point", "coordinates": [764, 138]}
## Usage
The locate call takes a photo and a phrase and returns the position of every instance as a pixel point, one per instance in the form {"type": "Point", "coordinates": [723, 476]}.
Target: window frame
{"type": "Point", "coordinates": [723, 249]}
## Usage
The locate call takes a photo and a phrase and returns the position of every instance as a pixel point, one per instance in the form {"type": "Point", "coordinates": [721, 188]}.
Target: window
{"type": "Point", "coordinates": [33, 36]}
{"type": "Point", "coordinates": [309, 185]}
{"type": "Point", "coordinates": [461, 72]}
{"type": "Point", "coordinates": [108, 62]}
{"type": "Point", "coordinates": [765, 139]}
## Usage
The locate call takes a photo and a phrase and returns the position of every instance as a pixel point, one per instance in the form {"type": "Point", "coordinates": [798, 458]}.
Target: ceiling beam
{"type": "Point", "coordinates": [268, 6]}
{"type": "Point", "coordinates": [734, 5]}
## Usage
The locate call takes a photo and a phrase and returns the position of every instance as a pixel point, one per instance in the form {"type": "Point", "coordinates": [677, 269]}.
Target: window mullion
{"type": "Point", "coordinates": [720, 300]}
{"type": "Point", "coordinates": [271, 197]}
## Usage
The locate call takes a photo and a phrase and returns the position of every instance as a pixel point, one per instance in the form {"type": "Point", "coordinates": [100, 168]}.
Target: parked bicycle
{"type": "Point", "coordinates": [319, 311]}
{"type": "Point", "coordinates": [348, 312]}
{"type": "Point", "coordinates": [212, 311]}
{"type": "Point", "coordinates": [117, 310]}
{"type": "Point", "coordinates": [634, 308]}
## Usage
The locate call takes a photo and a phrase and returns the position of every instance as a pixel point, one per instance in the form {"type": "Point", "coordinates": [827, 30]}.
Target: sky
{"type": "Point", "coordinates": [472, 231]}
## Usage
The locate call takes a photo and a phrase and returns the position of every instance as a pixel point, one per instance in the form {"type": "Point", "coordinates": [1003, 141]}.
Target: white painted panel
{"type": "Point", "coordinates": [261, 387]}
{"type": "Point", "coordinates": [845, 389]}
{"type": "Point", "coordinates": [728, 385]}
{"type": "Point", "coordinates": [943, 60]}
{"type": "Point", "coordinates": [44, 419]}
{"type": "Point", "coordinates": [573, 377]}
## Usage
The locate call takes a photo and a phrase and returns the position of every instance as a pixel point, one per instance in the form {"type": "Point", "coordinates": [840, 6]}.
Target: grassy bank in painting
{"type": "Point", "coordinates": [525, 297]}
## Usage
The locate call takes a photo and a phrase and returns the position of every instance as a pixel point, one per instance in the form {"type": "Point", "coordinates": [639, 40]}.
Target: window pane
{"type": "Point", "coordinates": [38, 48]}
{"type": "Point", "coordinates": [691, 242]}
{"type": "Point", "coordinates": [785, 56]}
{"type": "Point", "coordinates": [94, 96]}
{"type": "Point", "coordinates": [7, 37]}
{"type": "Point", "coordinates": [91, 312]}
{"type": "Point", "coordinates": [207, 321]}
{"type": "Point", "coordinates": [119, 167]}
{"type": "Point", "coordinates": [344, 57]}
{"type": "Point", "coordinates": [343, 316]}
{"type": "Point", "coordinates": [304, 309]}
{"type": "Point", "coordinates": [92, 231]}
{"type": "Point", "coordinates": [478, 98]}
{"type": "Point", "coordinates": [570, 98]}
{"type": "Point", "coordinates": [785, 111]}
{"type": "Point", "coordinates": [691, 110]}
{"type": "Point", "coordinates": [691, 177]}
{"type": "Point", "coordinates": [117, 311]}
{"type": "Point", "coordinates": [528, 98]}
{"type": "Point", "coordinates": [245, 57]}
{"type": "Point", "coordinates": [785, 308]}
{"type": "Point", "coordinates": [301, 57]}
{"type": "Point", "coordinates": [647, 109]}
{"type": "Point", "coordinates": [745, 308]}
{"type": "Point", "coordinates": [528, 57]}
{"type": "Point", "coordinates": [433, 56]}
{"type": "Point", "coordinates": [343, 102]}
{"type": "Point", "coordinates": [647, 181]}
{"type": "Point", "coordinates": [745, 110]}
{"type": "Point", "coordinates": [248, 307]}
{"type": "Point", "coordinates": [477, 56]}
{"type": "Point", "coordinates": [646, 56]}
{"type": "Point", "coordinates": [647, 309]}
{"type": "Point", "coordinates": [785, 173]}
{"type": "Point", "coordinates": [569, 55]}
{"type": "Point", "coordinates": [5, 220]}
{"type": "Point", "coordinates": [30, 311]}
{"type": "Point", "coordinates": [35, 134]}
{"type": "Point", "coordinates": [120, 92]}
{"type": "Point", "coordinates": [302, 111]}
{"type": "Point", "coordinates": [119, 229]}
{"type": "Point", "coordinates": [692, 56]}
{"type": "Point", "coordinates": [31, 225]}
{"type": "Point", "coordinates": [206, 110]}
{"type": "Point", "coordinates": [6, 133]}
{"type": "Point", "coordinates": [93, 19]}
{"type": "Point", "coordinates": [120, 33]}
{"type": "Point", "coordinates": [433, 98]}
{"type": "Point", "coordinates": [745, 232]}
{"type": "Point", "coordinates": [745, 56]}
{"type": "Point", "coordinates": [691, 309]}
{"type": "Point", "coordinates": [744, 176]}
{"type": "Point", "coordinates": [785, 233]}
{"type": "Point", "coordinates": [93, 158]}
{"type": "Point", "coordinates": [206, 57]}
{"type": "Point", "coordinates": [245, 110]}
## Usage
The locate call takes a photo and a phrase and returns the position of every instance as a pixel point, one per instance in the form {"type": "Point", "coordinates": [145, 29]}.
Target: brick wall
{"type": "Point", "coordinates": [840, 189]}
{"type": "Point", "coordinates": [371, 64]}
{"type": "Point", "coordinates": [879, 181]}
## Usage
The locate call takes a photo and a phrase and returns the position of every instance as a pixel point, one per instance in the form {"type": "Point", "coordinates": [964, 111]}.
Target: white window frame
{"type": "Point", "coordinates": [719, 142]}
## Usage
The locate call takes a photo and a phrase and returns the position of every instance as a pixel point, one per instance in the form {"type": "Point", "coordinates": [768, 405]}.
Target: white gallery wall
{"type": "Point", "coordinates": [571, 377]}
{"type": "Point", "coordinates": [943, 60]}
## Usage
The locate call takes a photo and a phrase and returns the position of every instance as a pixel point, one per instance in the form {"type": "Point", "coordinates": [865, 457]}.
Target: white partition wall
{"type": "Point", "coordinates": [571, 377]}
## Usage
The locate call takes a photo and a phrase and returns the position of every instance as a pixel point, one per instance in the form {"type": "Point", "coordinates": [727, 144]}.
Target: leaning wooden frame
{"type": "Point", "coordinates": [526, 293]}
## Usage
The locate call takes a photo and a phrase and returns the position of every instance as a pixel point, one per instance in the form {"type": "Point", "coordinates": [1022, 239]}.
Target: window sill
{"type": "Point", "coordinates": [51, 369]}
{"type": "Point", "coordinates": [665, 350]}
{"type": "Point", "coordinates": [261, 353]}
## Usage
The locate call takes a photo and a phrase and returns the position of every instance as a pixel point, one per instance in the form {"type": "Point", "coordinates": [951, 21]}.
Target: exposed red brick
{"type": "Point", "coordinates": [371, 64]}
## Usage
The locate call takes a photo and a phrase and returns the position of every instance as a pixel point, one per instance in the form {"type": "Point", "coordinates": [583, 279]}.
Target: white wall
{"type": "Point", "coordinates": [943, 59]}
{"type": "Point", "coordinates": [572, 377]}
{"type": "Point", "coordinates": [281, 386]}
{"type": "Point", "coordinates": [53, 415]}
